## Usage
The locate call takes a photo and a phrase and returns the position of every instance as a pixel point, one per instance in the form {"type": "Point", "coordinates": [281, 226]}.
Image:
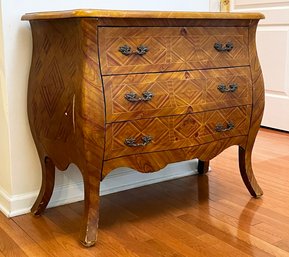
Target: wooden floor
{"type": "Point", "coordinates": [210, 215]}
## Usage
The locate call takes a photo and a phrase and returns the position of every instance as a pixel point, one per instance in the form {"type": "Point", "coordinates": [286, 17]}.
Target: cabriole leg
{"type": "Point", "coordinates": [48, 178]}
{"type": "Point", "coordinates": [88, 230]}
{"type": "Point", "coordinates": [247, 174]}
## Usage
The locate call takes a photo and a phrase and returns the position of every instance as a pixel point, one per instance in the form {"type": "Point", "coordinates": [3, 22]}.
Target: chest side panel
{"type": "Point", "coordinates": [64, 77]}
{"type": "Point", "coordinates": [54, 91]}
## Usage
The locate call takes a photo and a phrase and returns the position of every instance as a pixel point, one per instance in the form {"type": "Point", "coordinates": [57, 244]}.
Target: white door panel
{"type": "Point", "coordinates": [274, 16]}
{"type": "Point", "coordinates": [273, 49]}
{"type": "Point", "coordinates": [276, 117]}
{"type": "Point", "coordinates": [273, 52]}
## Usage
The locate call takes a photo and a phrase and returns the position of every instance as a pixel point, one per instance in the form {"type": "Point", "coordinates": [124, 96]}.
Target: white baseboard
{"type": "Point", "coordinates": [118, 180]}
{"type": "Point", "coordinates": [4, 202]}
{"type": "Point", "coordinates": [14, 205]}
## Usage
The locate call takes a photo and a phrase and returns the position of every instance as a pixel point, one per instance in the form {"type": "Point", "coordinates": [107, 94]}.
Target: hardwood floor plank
{"type": "Point", "coordinates": [114, 246]}
{"type": "Point", "coordinates": [8, 247]}
{"type": "Point", "coordinates": [118, 228]}
{"type": "Point", "coordinates": [50, 237]}
{"type": "Point", "coordinates": [183, 242]}
{"type": "Point", "coordinates": [283, 244]}
{"type": "Point", "coordinates": [257, 246]}
{"type": "Point", "coordinates": [19, 238]}
{"type": "Point", "coordinates": [222, 246]}
{"type": "Point", "coordinates": [248, 223]}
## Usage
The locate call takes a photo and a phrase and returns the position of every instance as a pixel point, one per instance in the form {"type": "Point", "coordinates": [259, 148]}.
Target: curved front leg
{"type": "Point", "coordinates": [89, 226]}
{"type": "Point", "coordinates": [247, 174]}
{"type": "Point", "coordinates": [258, 98]}
{"type": "Point", "coordinates": [48, 178]}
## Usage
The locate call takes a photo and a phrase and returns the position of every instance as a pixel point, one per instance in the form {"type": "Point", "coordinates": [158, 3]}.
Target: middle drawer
{"type": "Point", "coordinates": [130, 97]}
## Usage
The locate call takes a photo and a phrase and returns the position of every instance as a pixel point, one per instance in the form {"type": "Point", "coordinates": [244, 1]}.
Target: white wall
{"type": "Point", "coordinates": [5, 179]}
{"type": "Point", "coordinates": [20, 167]}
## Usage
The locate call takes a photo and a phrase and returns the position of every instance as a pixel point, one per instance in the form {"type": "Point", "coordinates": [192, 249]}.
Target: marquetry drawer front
{"type": "Point", "coordinates": [144, 49]}
{"type": "Point", "coordinates": [171, 132]}
{"type": "Point", "coordinates": [138, 96]}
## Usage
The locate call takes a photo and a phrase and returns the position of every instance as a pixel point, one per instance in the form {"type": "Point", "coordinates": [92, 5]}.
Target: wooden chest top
{"type": "Point", "coordinates": [139, 14]}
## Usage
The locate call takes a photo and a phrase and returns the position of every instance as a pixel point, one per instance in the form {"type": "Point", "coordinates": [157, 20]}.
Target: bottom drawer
{"type": "Point", "coordinates": [172, 132]}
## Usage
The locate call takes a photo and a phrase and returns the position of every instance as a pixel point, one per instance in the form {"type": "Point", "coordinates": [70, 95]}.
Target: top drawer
{"type": "Point", "coordinates": [155, 49]}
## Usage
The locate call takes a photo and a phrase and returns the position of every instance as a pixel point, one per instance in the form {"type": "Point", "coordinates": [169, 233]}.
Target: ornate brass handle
{"type": "Point", "coordinates": [231, 88]}
{"type": "Point", "coordinates": [126, 50]}
{"type": "Point", "coordinates": [133, 97]}
{"type": "Point", "coordinates": [220, 48]}
{"type": "Point", "coordinates": [221, 128]}
{"type": "Point", "coordinates": [131, 142]}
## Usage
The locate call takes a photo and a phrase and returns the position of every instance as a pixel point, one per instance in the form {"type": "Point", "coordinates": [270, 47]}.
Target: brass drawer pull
{"type": "Point", "coordinates": [221, 128]}
{"type": "Point", "coordinates": [227, 48]}
{"type": "Point", "coordinates": [126, 50]}
{"type": "Point", "coordinates": [231, 88]}
{"type": "Point", "coordinates": [131, 142]}
{"type": "Point", "coordinates": [132, 97]}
